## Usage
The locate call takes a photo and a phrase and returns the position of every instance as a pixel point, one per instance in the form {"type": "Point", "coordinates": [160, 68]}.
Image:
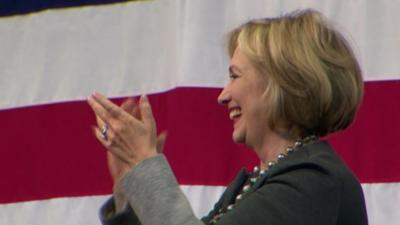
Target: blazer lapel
{"type": "Point", "coordinates": [234, 188]}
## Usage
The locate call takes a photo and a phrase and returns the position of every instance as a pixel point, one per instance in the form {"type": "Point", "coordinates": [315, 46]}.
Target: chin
{"type": "Point", "coordinates": [239, 137]}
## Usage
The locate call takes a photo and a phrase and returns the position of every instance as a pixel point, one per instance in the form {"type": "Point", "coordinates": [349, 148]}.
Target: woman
{"type": "Point", "coordinates": [293, 79]}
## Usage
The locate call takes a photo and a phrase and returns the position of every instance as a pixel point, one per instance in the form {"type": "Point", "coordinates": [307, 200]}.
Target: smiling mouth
{"type": "Point", "coordinates": [235, 113]}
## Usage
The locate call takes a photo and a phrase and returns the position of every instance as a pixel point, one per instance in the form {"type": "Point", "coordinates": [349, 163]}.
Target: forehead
{"type": "Point", "coordinates": [241, 64]}
{"type": "Point", "coordinates": [239, 61]}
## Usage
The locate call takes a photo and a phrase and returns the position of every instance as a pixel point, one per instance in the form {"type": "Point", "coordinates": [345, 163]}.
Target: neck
{"type": "Point", "coordinates": [271, 147]}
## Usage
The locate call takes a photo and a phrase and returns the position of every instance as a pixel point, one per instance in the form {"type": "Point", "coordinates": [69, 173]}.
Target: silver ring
{"type": "Point", "coordinates": [103, 132]}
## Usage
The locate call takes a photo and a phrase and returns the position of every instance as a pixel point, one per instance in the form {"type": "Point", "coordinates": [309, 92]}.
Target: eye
{"type": "Point", "coordinates": [233, 76]}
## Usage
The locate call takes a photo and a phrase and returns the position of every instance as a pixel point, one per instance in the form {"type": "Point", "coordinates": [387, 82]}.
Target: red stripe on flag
{"type": "Point", "coordinates": [49, 151]}
{"type": "Point", "coordinates": [371, 146]}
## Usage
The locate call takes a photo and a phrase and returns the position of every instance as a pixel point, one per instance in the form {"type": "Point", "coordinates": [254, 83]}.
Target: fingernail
{"type": "Point", "coordinates": [144, 98]}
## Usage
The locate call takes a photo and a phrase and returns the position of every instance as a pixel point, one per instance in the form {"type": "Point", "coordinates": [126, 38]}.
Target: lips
{"type": "Point", "coordinates": [235, 113]}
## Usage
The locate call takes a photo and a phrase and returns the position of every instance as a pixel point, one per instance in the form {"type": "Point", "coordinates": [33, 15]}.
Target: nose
{"type": "Point", "coordinates": [224, 97]}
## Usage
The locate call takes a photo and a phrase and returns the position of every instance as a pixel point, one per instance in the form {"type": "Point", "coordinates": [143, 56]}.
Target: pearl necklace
{"type": "Point", "coordinates": [258, 173]}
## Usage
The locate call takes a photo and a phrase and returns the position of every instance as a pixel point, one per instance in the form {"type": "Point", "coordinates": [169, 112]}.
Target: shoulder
{"type": "Point", "coordinates": [315, 170]}
{"type": "Point", "coordinates": [307, 186]}
{"type": "Point", "coordinates": [299, 191]}
{"type": "Point", "coordinates": [314, 161]}
{"type": "Point", "coordinates": [313, 173]}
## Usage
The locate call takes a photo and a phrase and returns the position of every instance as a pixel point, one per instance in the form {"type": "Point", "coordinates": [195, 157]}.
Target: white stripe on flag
{"type": "Point", "coordinates": [383, 202]}
{"type": "Point", "coordinates": [84, 210]}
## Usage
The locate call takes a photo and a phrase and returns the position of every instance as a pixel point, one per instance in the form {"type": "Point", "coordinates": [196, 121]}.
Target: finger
{"type": "Point", "coordinates": [103, 127]}
{"type": "Point", "coordinates": [161, 141]}
{"type": "Point", "coordinates": [115, 151]}
{"type": "Point", "coordinates": [146, 112]}
{"type": "Point", "coordinates": [110, 138]}
{"type": "Point", "coordinates": [136, 112]}
{"type": "Point", "coordinates": [99, 110]}
{"type": "Point", "coordinates": [107, 116]}
{"type": "Point", "coordinates": [106, 138]}
{"type": "Point", "coordinates": [100, 122]}
{"type": "Point", "coordinates": [128, 105]}
{"type": "Point", "coordinates": [107, 105]}
{"type": "Point", "coordinates": [132, 108]}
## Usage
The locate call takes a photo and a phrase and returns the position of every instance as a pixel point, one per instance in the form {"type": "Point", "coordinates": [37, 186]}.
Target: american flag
{"type": "Point", "coordinates": [54, 53]}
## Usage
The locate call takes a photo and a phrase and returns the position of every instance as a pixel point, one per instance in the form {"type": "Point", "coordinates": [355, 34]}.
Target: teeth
{"type": "Point", "coordinates": [234, 113]}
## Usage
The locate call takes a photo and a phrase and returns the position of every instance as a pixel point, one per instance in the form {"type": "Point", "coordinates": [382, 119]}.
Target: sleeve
{"type": "Point", "coordinates": [206, 219]}
{"type": "Point", "coordinates": [155, 196]}
{"type": "Point", "coordinates": [304, 196]}
{"type": "Point", "coordinates": [108, 216]}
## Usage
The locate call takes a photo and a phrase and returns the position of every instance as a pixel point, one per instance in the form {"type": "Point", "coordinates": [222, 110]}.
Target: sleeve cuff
{"type": "Point", "coordinates": [109, 217]}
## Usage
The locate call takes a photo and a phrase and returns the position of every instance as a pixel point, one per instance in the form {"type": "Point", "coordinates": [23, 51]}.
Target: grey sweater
{"type": "Point", "coordinates": [311, 186]}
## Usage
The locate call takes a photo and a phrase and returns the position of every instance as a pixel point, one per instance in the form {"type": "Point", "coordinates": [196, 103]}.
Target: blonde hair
{"type": "Point", "coordinates": [314, 80]}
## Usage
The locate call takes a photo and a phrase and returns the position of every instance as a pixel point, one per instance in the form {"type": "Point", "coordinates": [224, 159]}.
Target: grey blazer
{"type": "Point", "coordinates": [312, 186]}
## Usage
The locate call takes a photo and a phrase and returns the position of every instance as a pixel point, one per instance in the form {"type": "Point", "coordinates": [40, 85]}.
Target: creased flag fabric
{"type": "Point", "coordinates": [55, 53]}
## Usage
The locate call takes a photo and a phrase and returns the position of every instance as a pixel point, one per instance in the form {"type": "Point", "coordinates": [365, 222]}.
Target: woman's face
{"type": "Point", "coordinates": [245, 98]}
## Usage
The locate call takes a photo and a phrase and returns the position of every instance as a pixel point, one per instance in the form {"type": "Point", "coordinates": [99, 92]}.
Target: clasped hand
{"type": "Point", "coordinates": [131, 134]}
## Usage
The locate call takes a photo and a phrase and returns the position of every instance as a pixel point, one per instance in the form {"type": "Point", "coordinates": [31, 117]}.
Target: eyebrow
{"type": "Point", "coordinates": [233, 67]}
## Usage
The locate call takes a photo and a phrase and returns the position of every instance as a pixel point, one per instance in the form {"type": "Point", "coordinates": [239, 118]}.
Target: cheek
{"type": "Point", "coordinates": [260, 111]}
